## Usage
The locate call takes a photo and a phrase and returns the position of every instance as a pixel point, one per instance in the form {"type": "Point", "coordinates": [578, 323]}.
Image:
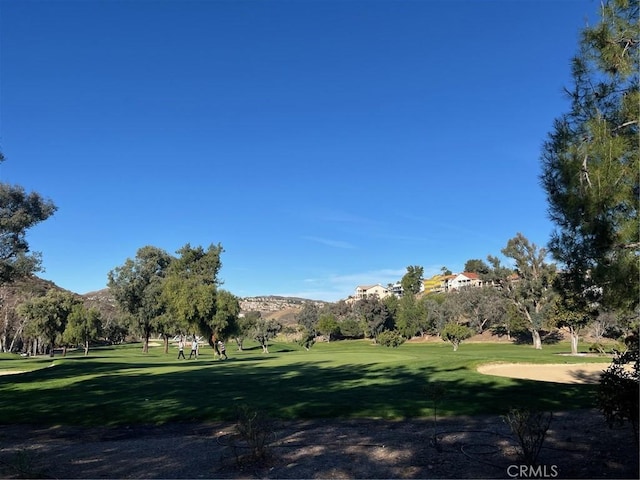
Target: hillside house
{"type": "Point", "coordinates": [370, 291]}
{"type": "Point", "coordinates": [465, 279]}
{"type": "Point", "coordinates": [396, 289]}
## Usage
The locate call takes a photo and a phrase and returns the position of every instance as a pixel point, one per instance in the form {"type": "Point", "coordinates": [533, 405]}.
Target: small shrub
{"type": "Point", "coordinates": [597, 347]}
{"type": "Point", "coordinates": [436, 392]}
{"type": "Point", "coordinates": [390, 338]}
{"type": "Point", "coordinates": [256, 430]}
{"type": "Point", "coordinates": [619, 389]}
{"type": "Point", "coordinates": [530, 429]}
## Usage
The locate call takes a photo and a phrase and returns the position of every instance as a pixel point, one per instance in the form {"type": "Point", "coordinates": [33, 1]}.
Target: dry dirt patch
{"type": "Point", "coordinates": [558, 373]}
{"type": "Point", "coordinates": [579, 445]}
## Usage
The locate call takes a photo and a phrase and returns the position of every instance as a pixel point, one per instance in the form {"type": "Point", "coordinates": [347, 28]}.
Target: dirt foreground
{"type": "Point", "coordinates": [578, 445]}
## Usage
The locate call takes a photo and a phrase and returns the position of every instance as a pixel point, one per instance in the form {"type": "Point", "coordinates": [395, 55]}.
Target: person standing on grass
{"type": "Point", "coordinates": [181, 349]}
{"type": "Point", "coordinates": [222, 349]}
{"type": "Point", "coordinates": [194, 348]}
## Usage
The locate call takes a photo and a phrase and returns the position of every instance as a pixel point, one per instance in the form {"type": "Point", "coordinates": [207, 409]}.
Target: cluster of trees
{"type": "Point", "coordinates": [522, 298]}
{"type": "Point", "coordinates": [156, 293]}
{"type": "Point", "coordinates": [181, 295]}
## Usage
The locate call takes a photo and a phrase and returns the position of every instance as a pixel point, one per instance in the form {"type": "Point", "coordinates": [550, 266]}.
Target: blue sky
{"type": "Point", "coordinates": [325, 144]}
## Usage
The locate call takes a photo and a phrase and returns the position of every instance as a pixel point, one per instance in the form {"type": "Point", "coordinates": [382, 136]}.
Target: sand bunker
{"type": "Point", "coordinates": [558, 373]}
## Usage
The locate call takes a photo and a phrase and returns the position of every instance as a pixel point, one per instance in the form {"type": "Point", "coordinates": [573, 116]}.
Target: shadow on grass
{"type": "Point", "coordinates": [115, 393]}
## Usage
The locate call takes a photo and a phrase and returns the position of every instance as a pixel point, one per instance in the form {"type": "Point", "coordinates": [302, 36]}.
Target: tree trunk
{"type": "Point", "coordinates": [165, 338]}
{"type": "Point", "coordinates": [265, 348]}
{"type": "Point", "coordinates": [145, 343]}
{"type": "Point", "coordinates": [5, 332]}
{"type": "Point", "coordinates": [86, 348]}
{"type": "Point", "coordinates": [537, 342]}
{"type": "Point", "coordinates": [16, 336]}
{"type": "Point", "coordinates": [574, 341]}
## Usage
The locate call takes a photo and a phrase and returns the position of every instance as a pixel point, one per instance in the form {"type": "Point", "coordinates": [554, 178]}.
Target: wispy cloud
{"type": "Point", "coordinates": [382, 276]}
{"type": "Point", "coordinates": [329, 242]}
{"type": "Point", "coordinates": [334, 287]}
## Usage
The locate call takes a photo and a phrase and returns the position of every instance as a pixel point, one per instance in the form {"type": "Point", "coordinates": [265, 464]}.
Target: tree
{"type": "Point", "coordinates": [350, 328]}
{"type": "Point", "coordinates": [307, 318]}
{"type": "Point", "coordinates": [590, 162]}
{"type": "Point", "coordinates": [244, 326]}
{"type": "Point", "coordinates": [571, 311]}
{"type": "Point", "coordinates": [224, 321]}
{"type": "Point", "coordinates": [529, 287]}
{"type": "Point", "coordinates": [455, 333]}
{"type": "Point", "coordinates": [191, 287]}
{"type": "Point", "coordinates": [375, 315]}
{"type": "Point", "coordinates": [411, 316]}
{"type": "Point", "coordinates": [476, 266]}
{"type": "Point", "coordinates": [19, 211]}
{"type": "Point", "coordinates": [11, 295]}
{"type": "Point", "coordinates": [83, 326]}
{"type": "Point", "coordinates": [137, 286]}
{"type": "Point", "coordinates": [265, 330]}
{"type": "Point", "coordinates": [483, 307]}
{"type": "Point", "coordinates": [435, 318]}
{"type": "Point", "coordinates": [166, 327]}
{"type": "Point", "coordinates": [48, 315]}
{"type": "Point", "coordinates": [412, 280]}
{"type": "Point", "coordinates": [116, 328]}
{"type": "Point", "coordinates": [328, 325]}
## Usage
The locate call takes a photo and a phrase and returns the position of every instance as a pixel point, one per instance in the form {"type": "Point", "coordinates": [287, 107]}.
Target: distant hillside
{"type": "Point", "coordinates": [282, 309]}
{"type": "Point", "coordinates": [19, 291]}
{"type": "Point", "coordinates": [103, 301]}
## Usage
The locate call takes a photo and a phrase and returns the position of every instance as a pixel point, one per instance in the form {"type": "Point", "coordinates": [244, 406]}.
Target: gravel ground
{"type": "Point", "coordinates": [578, 445]}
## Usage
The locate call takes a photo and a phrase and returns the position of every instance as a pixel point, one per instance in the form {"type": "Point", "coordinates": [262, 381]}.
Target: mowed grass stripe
{"type": "Point", "coordinates": [350, 379]}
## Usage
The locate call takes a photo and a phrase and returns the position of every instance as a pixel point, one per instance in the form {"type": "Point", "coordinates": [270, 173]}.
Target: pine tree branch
{"type": "Point", "coordinates": [625, 124]}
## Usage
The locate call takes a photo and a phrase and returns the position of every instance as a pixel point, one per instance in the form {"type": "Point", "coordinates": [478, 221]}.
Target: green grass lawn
{"type": "Point", "coordinates": [347, 379]}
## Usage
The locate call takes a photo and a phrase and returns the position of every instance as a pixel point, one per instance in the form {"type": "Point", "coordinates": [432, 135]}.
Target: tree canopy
{"type": "Point", "coordinates": [191, 290]}
{"type": "Point", "coordinates": [590, 162]}
{"type": "Point", "coordinates": [137, 287]}
{"type": "Point", "coordinates": [19, 211]}
{"type": "Point", "coordinates": [412, 280]}
{"type": "Point", "coordinates": [529, 286]}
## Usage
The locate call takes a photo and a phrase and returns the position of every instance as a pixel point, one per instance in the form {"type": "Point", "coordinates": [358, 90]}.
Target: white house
{"type": "Point", "coordinates": [369, 291]}
{"type": "Point", "coordinates": [465, 279]}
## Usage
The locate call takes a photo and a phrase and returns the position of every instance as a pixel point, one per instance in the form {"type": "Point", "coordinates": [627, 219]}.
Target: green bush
{"type": "Point", "coordinates": [390, 338]}
{"type": "Point", "coordinates": [619, 389]}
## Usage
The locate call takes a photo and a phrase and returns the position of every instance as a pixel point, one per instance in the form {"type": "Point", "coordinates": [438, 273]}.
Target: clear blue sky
{"type": "Point", "coordinates": [325, 144]}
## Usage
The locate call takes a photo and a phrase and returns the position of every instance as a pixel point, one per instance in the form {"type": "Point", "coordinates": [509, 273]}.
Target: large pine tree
{"type": "Point", "coordinates": [590, 163]}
